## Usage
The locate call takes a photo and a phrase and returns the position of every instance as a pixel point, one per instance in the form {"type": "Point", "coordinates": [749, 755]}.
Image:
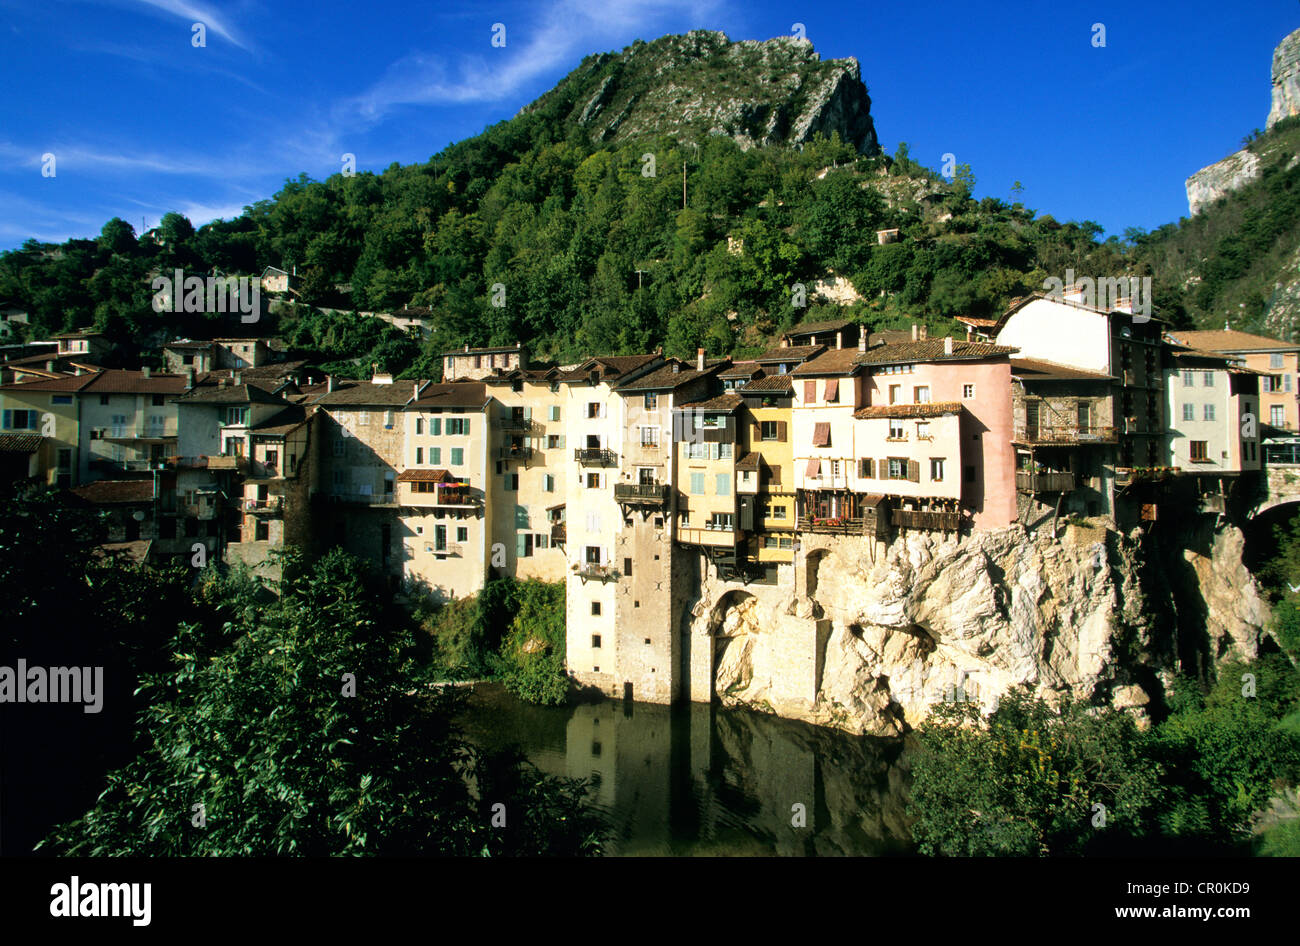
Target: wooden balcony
{"type": "Point", "coordinates": [838, 525]}
{"type": "Point", "coordinates": [452, 497]}
{"type": "Point", "coordinates": [512, 452]}
{"type": "Point", "coordinates": [518, 424]}
{"type": "Point", "coordinates": [1028, 482]}
{"type": "Point", "coordinates": [709, 535]}
{"type": "Point", "coordinates": [641, 494]}
{"type": "Point", "coordinates": [595, 456]}
{"type": "Point", "coordinates": [1064, 434]}
{"type": "Point", "coordinates": [925, 519]}
{"type": "Point", "coordinates": [265, 507]}
{"type": "Point", "coordinates": [559, 534]}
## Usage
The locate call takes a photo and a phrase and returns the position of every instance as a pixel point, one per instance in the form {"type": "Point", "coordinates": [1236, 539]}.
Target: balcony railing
{"type": "Point", "coordinates": [592, 572]}
{"type": "Point", "coordinates": [559, 534]}
{"type": "Point", "coordinates": [653, 494]}
{"type": "Point", "coordinates": [454, 550]}
{"type": "Point", "coordinates": [1029, 482]}
{"type": "Point", "coordinates": [364, 499]}
{"type": "Point", "coordinates": [518, 423]}
{"type": "Point", "coordinates": [710, 534]}
{"type": "Point", "coordinates": [264, 507]}
{"type": "Point", "coordinates": [1126, 476]}
{"type": "Point", "coordinates": [460, 496]}
{"type": "Point", "coordinates": [140, 432]}
{"type": "Point", "coordinates": [595, 456]}
{"type": "Point", "coordinates": [512, 452]}
{"type": "Point", "coordinates": [925, 519]}
{"type": "Point", "coordinates": [1065, 433]}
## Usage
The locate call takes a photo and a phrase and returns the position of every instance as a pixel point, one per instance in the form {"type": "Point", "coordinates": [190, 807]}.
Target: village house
{"type": "Point", "coordinates": [47, 409]}
{"type": "Point", "coordinates": [475, 364]}
{"type": "Point", "coordinates": [128, 422]}
{"type": "Point", "coordinates": [1278, 363]}
{"type": "Point", "coordinates": [1213, 405]}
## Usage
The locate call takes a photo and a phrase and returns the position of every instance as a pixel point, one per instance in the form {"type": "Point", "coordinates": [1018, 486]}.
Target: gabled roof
{"type": "Point", "coordinates": [69, 384]}
{"type": "Point", "coordinates": [427, 476]}
{"type": "Point", "coordinates": [1230, 340]}
{"type": "Point", "coordinates": [471, 394]}
{"type": "Point", "coordinates": [1035, 369]}
{"type": "Point", "coordinates": [936, 409]}
{"type": "Point", "coordinates": [769, 384]}
{"type": "Point", "coordinates": [366, 394]}
{"type": "Point", "coordinates": [932, 349]}
{"type": "Point", "coordinates": [185, 344]}
{"type": "Point", "coordinates": [665, 379]}
{"type": "Point", "coordinates": [490, 350]}
{"type": "Point", "coordinates": [835, 362]}
{"type": "Point", "coordinates": [977, 323]}
{"type": "Point", "coordinates": [115, 492]}
{"type": "Point", "coordinates": [740, 369]}
{"type": "Point", "coordinates": [723, 403]}
{"type": "Point", "coordinates": [811, 328]}
{"type": "Point", "coordinates": [285, 422]}
{"type": "Point", "coordinates": [119, 381]}
{"type": "Point", "coordinates": [210, 393]}
{"type": "Point", "coordinates": [607, 368]}
{"type": "Point", "coordinates": [791, 353]}
{"type": "Point", "coordinates": [750, 462]}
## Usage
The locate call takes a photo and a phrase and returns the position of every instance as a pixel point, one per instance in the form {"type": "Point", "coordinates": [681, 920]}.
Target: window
{"type": "Point", "coordinates": [1275, 361]}
{"type": "Point", "coordinates": [895, 393]}
{"type": "Point", "coordinates": [697, 451]}
{"type": "Point", "coordinates": [1199, 451]}
{"type": "Point", "coordinates": [1189, 378]}
{"type": "Point", "coordinates": [435, 426]}
{"type": "Point", "coordinates": [524, 545]}
{"type": "Point", "coordinates": [67, 399]}
{"type": "Point", "coordinates": [921, 394]}
{"type": "Point", "coordinates": [1189, 412]}
{"type": "Point", "coordinates": [1209, 412]}
{"type": "Point", "coordinates": [771, 511]}
{"type": "Point", "coordinates": [511, 482]}
{"type": "Point", "coordinates": [595, 639]}
{"type": "Point", "coordinates": [553, 413]}
{"type": "Point", "coordinates": [810, 392]}
{"type": "Point", "coordinates": [627, 567]}
{"type": "Point", "coordinates": [767, 430]}
{"type": "Point", "coordinates": [593, 409]}
{"type": "Point", "coordinates": [540, 540]}
{"type": "Point", "coordinates": [363, 418]}
{"type": "Point", "coordinates": [896, 430]}
{"type": "Point", "coordinates": [419, 456]}
{"type": "Point", "coordinates": [435, 454]}
{"type": "Point", "coordinates": [440, 538]}
{"type": "Point", "coordinates": [103, 400]}
{"type": "Point", "coordinates": [419, 426]}
{"type": "Point", "coordinates": [593, 481]}
{"type": "Point", "coordinates": [1208, 379]}
{"type": "Point", "coordinates": [457, 456]}
{"type": "Point", "coordinates": [967, 391]}
{"type": "Point", "coordinates": [697, 484]}
{"type": "Point", "coordinates": [724, 451]}
{"type": "Point", "coordinates": [832, 395]}
{"type": "Point", "coordinates": [21, 420]}
{"type": "Point", "coordinates": [651, 401]}
{"type": "Point", "coordinates": [649, 436]}
{"type": "Point", "coordinates": [462, 533]}
{"type": "Point", "coordinates": [261, 531]}
{"type": "Point", "coordinates": [388, 420]}
{"type": "Point", "coordinates": [724, 484]}
{"type": "Point", "coordinates": [235, 416]}
{"type": "Point", "coordinates": [936, 469]}
{"type": "Point", "coordinates": [866, 468]}
{"type": "Point", "coordinates": [1277, 415]}
{"type": "Point", "coordinates": [457, 426]}
{"type": "Point", "coordinates": [1286, 383]}
{"type": "Point", "coordinates": [548, 483]}
{"type": "Point", "coordinates": [923, 430]}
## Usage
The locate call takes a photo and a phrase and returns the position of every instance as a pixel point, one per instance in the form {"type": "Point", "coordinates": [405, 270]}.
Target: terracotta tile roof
{"type": "Point", "coordinates": [793, 353]}
{"type": "Point", "coordinates": [1035, 369]}
{"type": "Point", "coordinates": [454, 394]}
{"type": "Point", "coordinates": [118, 381]}
{"type": "Point", "coordinates": [288, 420]}
{"type": "Point", "coordinates": [665, 379]}
{"type": "Point", "coordinates": [888, 336]}
{"type": "Point", "coordinates": [750, 462]}
{"type": "Point", "coordinates": [936, 409]}
{"type": "Point", "coordinates": [779, 383]}
{"type": "Point", "coordinates": [186, 345]}
{"type": "Point", "coordinates": [836, 361]}
{"type": "Point", "coordinates": [1230, 340]}
{"type": "Point", "coordinates": [348, 394]}
{"type": "Point", "coordinates": [426, 476]}
{"type": "Point", "coordinates": [115, 492]}
{"type": "Point", "coordinates": [607, 368]}
{"type": "Point", "coordinates": [723, 402]}
{"type": "Point", "coordinates": [65, 385]}
{"type": "Point", "coordinates": [490, 350]}
{"type": "Point", "coordinates": [740, 369]}
{"type": "Point", "coordinates": [136, 551]}
{"type": "Point", "coordinates": [932, 349]}
{"type": "Point", "coordinates": [212, 393]}
{"type": "Point", "coordinates": [809, 328]}
{"type": "Point", "coordinates": [20, 443]}
{"type": "Point", "coordinates": [977, 323]}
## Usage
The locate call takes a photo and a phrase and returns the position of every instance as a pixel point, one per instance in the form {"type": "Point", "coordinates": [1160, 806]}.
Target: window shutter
{"type": "Point", "coordinates": [464, 425]}
{"type": "Point", "coordinates": [810, 392]}
{"type": "Point", "coordinates": [435, 426]}
{"type": "Point", "coordinates": [832, 390]}
{"type": "Point", "coordinates": [561, 441]}
{"type": "Point", "coordinates": [780, 431]}
{"type": "Point", "coordinates": [882, 465]}
{"type": "Point", "coordinates": [757, 433]}
{"type": "Point", "coordinates": [528, 413]}
{"type": "Point", "coordinates": [519, 545]}
{"type": "Point", "coordinates": [555, 412]}
{"type": "Point", "coordinates": [914, 471]}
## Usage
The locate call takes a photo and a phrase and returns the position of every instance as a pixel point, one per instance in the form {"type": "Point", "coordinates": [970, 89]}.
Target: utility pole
{"type": "Point", "coordinates": [683, 182]}
{"type": "Point", "coordinates": [638, 277]}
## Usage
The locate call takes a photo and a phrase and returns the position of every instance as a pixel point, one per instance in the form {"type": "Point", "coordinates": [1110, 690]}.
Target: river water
{"type": "Point", "coordinates": [696, 780]}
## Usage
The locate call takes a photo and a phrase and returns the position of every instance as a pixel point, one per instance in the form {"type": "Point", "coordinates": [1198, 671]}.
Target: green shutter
{"type": "Point", "coordinates": [555, 412]}
{"type": "Point", "coordinates": [435, 426]}
{"type": "Point", "coordinates": [435, 454]}
{"type": "Point", "coordinates": [697, 484]}
{"type": "Point", "coordinates": [724, 484]}
{"type": "Point", "coordinates": [519, 545]}
{"type": "Point", "coordinates": [457, 456]}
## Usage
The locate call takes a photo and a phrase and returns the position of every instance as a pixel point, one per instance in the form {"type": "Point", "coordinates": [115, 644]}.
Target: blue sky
{"type": "Point", "coordinates": [141, 121]}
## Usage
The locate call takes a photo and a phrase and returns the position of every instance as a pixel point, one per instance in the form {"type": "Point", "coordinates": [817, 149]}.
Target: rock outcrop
{"type": "Point", "coordinates": [758, 93]}
{"type": "Point", "coordinates": [874, 636]}
{"type": "Point", "coordinates": [1286, 79]}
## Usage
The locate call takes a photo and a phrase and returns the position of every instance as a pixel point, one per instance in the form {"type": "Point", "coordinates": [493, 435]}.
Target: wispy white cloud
{"type": "Point", "coordinates": [532, 50]}
{"type": "Point", "coordinates": [90, 159]}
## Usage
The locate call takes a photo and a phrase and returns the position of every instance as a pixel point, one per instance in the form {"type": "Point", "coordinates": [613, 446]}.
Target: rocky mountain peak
{"type": "Point", "coordinates": [1286, 79]}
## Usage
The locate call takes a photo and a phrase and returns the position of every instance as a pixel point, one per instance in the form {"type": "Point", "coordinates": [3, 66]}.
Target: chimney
{"type": "Point", "coordinates": [237, 377]}
{"type": "Point", "coordinates": [925, 332]}
{"type": "Point", "coordinates": [329, 384]}
{"type": "Point", "coordinates": [785, 341]}
{"type": "Point", "coordinates": [862, 339]}
{"type": "Point", "coordinates": [189, 378]}
{"type": "Point", "coordinates": [947, 345]}
{"type": "Point", "coordinates": [839, 339]}
{"type": "Point", "coordinates": [970, 332]}
{"type": "Point", "coordinates": [467, 346]}
{"type": "Point", "coordinates": [49, 366]}
{"type": "Point", "coordinates": [916, 332]}
{"type": "Point", "coordinates": [699, 359]}
{"type": "Point", "coordinates": [144, 371]}
{"type": "Point", "coordinates": [677, 366]}
{"type": "Point", "coordinates": [416, 385]}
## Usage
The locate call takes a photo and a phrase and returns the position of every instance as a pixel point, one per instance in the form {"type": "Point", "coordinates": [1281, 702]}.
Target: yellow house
{"type": "Point", "coordinates": [705, 434]}
{"type": "Point", "coordinates": [765, 471]}
{"type": "Point", "coordinates": [48, 409]}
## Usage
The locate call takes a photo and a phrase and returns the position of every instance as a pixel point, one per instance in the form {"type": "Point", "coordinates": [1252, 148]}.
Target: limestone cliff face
{"type": "Point", "coordinates": [871, 638]}
{"type": "Point", "coordinates": [758, 93]}
{"type": "Point", "coordinates": [1286, 79]}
